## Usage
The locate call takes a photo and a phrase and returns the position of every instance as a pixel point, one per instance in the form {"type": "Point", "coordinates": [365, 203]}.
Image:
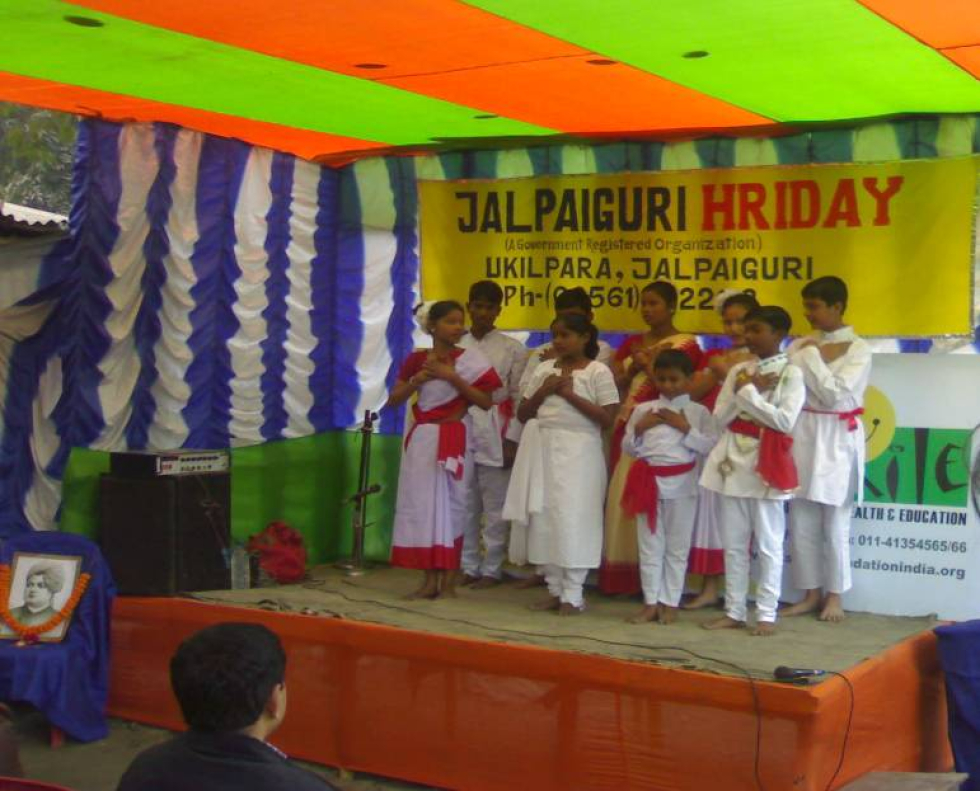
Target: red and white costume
{"type": "Point", "coordinates": [662, 493]}
{"type": "Point", "coordinates": [752, 469]}
{"type": "Point", "coordinates": [437, 465]}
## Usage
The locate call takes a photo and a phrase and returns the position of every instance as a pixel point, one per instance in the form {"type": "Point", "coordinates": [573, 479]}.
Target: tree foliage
{"type": "Point", "coordinates": [36, 152]}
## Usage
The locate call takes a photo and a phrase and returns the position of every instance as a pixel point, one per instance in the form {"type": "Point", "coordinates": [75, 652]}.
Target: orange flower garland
{"type": "Point", "coordinates": [32, 634]}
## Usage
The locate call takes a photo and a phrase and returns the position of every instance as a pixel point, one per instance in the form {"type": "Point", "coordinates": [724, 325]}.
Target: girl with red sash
{"type": "Point", "coordinates": [632, 367]}
{"type": "Point", "coordinates": [437, 462]}
{"type": "Point", "coordinates": [707, 557]}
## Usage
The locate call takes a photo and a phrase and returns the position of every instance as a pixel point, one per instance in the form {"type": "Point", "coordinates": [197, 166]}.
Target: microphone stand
{"type": "Point", "coordinates": [355, 566]}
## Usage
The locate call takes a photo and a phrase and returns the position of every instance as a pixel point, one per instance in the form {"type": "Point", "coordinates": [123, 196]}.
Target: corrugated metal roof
{"type": "Point", "coordinates": [14, 217]}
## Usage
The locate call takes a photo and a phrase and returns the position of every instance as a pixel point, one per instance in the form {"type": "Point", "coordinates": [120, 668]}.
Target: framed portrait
{"type": "Point", "coordinates": [40, 585]}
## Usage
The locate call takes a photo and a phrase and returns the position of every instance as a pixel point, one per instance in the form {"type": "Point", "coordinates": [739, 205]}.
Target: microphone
{"type": "Point", "coordinates": [783, 673]}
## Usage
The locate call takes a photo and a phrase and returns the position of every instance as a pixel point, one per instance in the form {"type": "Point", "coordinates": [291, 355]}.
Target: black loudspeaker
{"type": "Point", "coordinates": [166, 535]}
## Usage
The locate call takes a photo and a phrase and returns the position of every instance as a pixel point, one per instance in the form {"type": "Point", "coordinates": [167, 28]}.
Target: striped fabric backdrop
{"type": "Point", "coordinates": [212, 294]}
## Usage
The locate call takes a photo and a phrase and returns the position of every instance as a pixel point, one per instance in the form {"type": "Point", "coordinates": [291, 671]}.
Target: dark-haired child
{"type": "Point", "coordinates": [620, 569]}
{"type": "Point", "coordinates": [668, 437]}
{"type": "Point", "coordinates": [493, 452]}
{"type": "Point", "coordinates": [828, 444]}
{"type": "Point", "coordinates": [571, 301]}
{"type": "Point", "coordinates": [558, 483]}
{"type": "Point", "coordinates": [707, 554]}
{"type": "Point", "coordinates": [752, 467]}
{"type": "Point", "coordinates": [437, 463]}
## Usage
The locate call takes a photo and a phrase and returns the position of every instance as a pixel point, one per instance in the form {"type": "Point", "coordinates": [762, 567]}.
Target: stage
{"type": "Point", "coordinates": [481, 693]}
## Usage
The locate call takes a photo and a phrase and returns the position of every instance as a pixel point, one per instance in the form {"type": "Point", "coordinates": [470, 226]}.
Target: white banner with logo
{"type": "Point", "coordinates": [915, 541]}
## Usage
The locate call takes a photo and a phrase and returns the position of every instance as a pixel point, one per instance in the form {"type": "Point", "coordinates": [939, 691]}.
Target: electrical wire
{"type": "Point", "coordinates": [757, 710]}
{"type": "Point", "coordinates": [756, 706]}
{"type": "Point", "coordinates": [847, 728]}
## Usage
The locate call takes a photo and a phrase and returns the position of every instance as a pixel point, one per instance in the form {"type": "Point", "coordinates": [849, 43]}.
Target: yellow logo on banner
{"type": "Point", "coordinates": [879, 422]}
{"type": "Point", "coordinates": [899, 234]}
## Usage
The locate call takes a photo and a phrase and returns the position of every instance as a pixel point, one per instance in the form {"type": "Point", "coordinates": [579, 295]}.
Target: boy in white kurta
{"type": "Point", "coordinates": [492, 453]}
{"type": "Point", "coordinates": [669, 435]}
{"type": "Point", "coordinates": [558, 483]}
{"type": "Point", "coordinates": [828, 445]}
{"type": "Point", "coordinates": [752, 467]}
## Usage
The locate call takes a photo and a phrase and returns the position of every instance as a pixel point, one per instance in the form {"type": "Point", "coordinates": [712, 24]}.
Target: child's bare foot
{"type": "Point", "coordinates": [723, 623]}
{"type": "Point", "coordinates": [551, 603]}
{"type": "Point", "coordinates": [764, 629]}
{"type": "Point", "coordinates": [647, 614]}
{"type": "Point", "coordinates": [708, 597]}
{"type": "Point", "coordinates": [833, 611]}
{"type": "Point", "coordinates": [534, 581]}
{"type": "Point", "coordinates": [810, 603]}
{"type": "Point", "coordinates": [427, 591]}
{"type": "Point", "coordinates": [485, 582]}
{"type": "Point", "coordinates": [570, 609]}
{"type": "Point", "coordinates": [447, 583]}
{"type": "Point", "coordinates": [667, 615]}
{"type": "Point", "coordinates": [701, 601]}
{"type": "Point", "coordinates": [469, 579]}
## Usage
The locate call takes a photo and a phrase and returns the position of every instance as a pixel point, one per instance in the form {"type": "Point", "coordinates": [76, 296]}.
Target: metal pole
{"type": "Point", "coordinates": [355, 566]}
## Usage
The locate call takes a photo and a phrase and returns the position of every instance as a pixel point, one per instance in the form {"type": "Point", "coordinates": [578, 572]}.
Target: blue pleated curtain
{"type": "Point", "coordinates": [213, 294]}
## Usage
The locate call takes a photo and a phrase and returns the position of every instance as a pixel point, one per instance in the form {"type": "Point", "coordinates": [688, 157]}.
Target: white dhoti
{"type": "Point", "coordinates": [742, 519]}
{"type": "Point", "coordinates": [663, 554]}
{"type": "Point", "coordinates": [820, 544]}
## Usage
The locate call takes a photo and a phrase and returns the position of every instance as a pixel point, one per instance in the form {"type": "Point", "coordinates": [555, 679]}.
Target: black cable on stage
{"type": "Point", "coordinates": [757, 710]}
{"type": "Point", "coordinates": [847, 728]}
{"type": "Point", "coordinates": [644, 647]}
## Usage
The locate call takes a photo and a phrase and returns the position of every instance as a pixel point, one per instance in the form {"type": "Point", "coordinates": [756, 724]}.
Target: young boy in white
{"type": "Point", "coordinates": [492, 452]}
{"type": "Point", "coordinates": [828, 445]}
{"type": "Point", "coordinates": [669, 435]}
{"type": "Point", "coordinates": [752, 467]}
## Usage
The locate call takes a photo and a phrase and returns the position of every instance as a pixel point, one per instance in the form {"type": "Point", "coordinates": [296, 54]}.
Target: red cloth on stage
{"type": "Point", "coordinates": [281, 552]}
{"type": "Point", "coordinates": [775, 466]}
{"type": "Point", "coordinates": [641, 493]}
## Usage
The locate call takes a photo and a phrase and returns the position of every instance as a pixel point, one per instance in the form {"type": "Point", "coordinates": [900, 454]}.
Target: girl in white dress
{"type": "Point", "coordinates": [437, 463]}
{"type": "Point", "coordinates": [558, 483]}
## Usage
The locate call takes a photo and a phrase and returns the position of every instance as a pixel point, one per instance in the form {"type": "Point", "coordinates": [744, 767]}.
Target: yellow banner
{"type": "Point", "coordinates": [899, 233]}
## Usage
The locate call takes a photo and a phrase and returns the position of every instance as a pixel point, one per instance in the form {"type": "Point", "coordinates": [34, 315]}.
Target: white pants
{"type": "Point", "coordinates": [819, 538]}
{"type": "Point", "coordinates": [663, 554]}
{"type": "Point", "coordinates": [741, 519]}
{"type": "Point", "coordinates": [484, 502]}
{"type": "Point", "coordinates": [566, 584]}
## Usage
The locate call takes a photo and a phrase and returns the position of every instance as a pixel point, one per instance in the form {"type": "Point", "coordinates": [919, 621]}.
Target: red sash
{"type": "Point", "coordinates": [641, 492]}
{"type": "Point", "coordinates": [506, 411]}
{"type": "Point", "coordinates": [775, 466]}
{"type": "Point", "coordinates": [451, 449]}
{"type": "Point", "coordinates": [851, 417]}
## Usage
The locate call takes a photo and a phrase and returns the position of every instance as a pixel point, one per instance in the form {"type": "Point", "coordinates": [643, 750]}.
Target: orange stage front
{"type": "Point", "coordinates": [466, 714]}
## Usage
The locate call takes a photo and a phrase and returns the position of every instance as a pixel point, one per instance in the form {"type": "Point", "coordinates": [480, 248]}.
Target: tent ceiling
{"type": "Point", "coordinates": [333, 81]}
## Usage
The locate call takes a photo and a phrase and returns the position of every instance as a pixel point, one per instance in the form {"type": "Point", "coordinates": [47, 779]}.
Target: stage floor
{"type": "Point", "coordinates": [501, 614]}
